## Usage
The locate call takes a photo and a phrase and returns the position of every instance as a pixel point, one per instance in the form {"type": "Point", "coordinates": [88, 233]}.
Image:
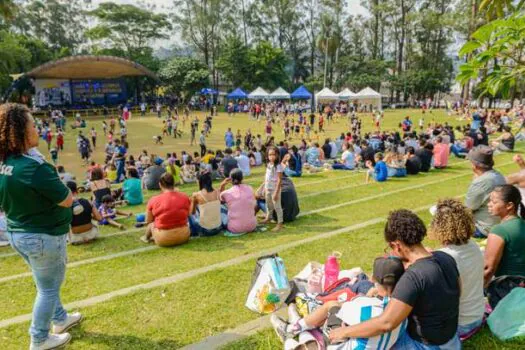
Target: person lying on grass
{"type": "Point", "coordinates": [386, 274]}
{"type": "Point", "coordinates": [109, 213]}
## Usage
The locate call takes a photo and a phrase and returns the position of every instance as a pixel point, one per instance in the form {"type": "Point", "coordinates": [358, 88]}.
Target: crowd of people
{"type": "Point", "coordinates": [406, 282]}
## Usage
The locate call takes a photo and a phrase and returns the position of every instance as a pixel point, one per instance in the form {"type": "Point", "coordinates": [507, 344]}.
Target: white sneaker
{"type": "Point", "coordinates": [293, 314]}
{"type": "Point", "coordinates": [71, 321]}
{"type": "Point", "coordinates": [54, 341]}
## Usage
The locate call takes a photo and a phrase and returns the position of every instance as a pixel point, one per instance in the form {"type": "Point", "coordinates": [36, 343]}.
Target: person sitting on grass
{"type": "Point", "coordinates": [101, 187]}
{"type": "Point", "coordinates": [292, 163]}
{"type": "Point", "coordinates": [379, 172]}
{"type": "Point", "coordinates": [167, 215]}
{"type": "Point", "coordinates": [347, 159]}
{"type": "Point", "coordinates": [395, 163]}
{"type": "Point", "coordinates": [386, 274]}
{"type": "Point", "coordinates": [188, 171]}
{"type": "Point", "coordinates": [152, 175]}
{"type": "Point", "coordinates": [240, 201]}
{"type": "Point", "coordinates": [441, 153]}
{"type": "Point", "coordinates": [173, 169]}
{"type": "Point", "coordinates": [486, 179]}
{"type": "Point", "coordinates": [132, 188]}
{"type": "Point", "coordinates": [505, 142]}
{"type": "Point", "coordinates": [82, 228]}
{"type": "Point", "coordinates": [453, 226]}
{"type": "Point", "coordinates": [109, 213]}
{"type": "Point", "coordinates": [505, 250]}
{"type": "Point", "coordinates": [205, 211]}
{"type": "Point", "coordinates": [427, 294]}
{"type": "Point", "coordinates": [412, 162]}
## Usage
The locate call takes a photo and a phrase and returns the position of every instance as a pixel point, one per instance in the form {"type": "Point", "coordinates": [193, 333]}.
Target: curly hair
{"type": "Point", "coordinates": [405, 226]}
{"type": "Point", "coordinates": [13, 125]}
{"type": "Point", "coordinates": [453, 222]}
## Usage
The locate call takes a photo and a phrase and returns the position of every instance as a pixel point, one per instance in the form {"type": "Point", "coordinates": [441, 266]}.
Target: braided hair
{"type": "Point", "coordinates": [13, 125]}
{"type": "Point", "coordinates": [510, 194]}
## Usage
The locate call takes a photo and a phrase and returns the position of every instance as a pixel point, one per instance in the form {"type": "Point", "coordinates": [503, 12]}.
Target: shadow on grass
{"type": "Point", "coordinates": [85, 339]}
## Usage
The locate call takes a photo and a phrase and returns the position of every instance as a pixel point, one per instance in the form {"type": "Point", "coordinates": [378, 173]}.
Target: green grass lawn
{"type": "Point", "coordinates": [185, 312]}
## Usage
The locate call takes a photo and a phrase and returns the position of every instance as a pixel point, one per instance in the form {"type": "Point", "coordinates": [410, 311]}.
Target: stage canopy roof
{"type": "Point", "coordinates": [301, 93]}
{"type": "Point", "coordinates": [90, 67]}
{"type": "Point", "coordinates": [237, 93]}
{"type": "Point", "coordinates": [280, 93]}
{"type": "Point", "coordinates": [258, 93]}
{"type": "Point", "coordinates": [209, 91]}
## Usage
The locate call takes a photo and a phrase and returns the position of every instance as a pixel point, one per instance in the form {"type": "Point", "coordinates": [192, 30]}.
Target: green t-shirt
{"type": "Point", "coordinates": [513, 259]}
{"type": "Point", "coordinates": [30, 190]}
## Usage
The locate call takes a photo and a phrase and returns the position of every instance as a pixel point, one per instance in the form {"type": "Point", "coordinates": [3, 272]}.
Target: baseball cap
{"type": "Point", "coordinates": [483, 155]}
{"type": "Point", "coordinates": [388, 270]}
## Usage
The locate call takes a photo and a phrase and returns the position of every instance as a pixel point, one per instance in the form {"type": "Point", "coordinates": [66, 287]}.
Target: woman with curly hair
{"type": "Point", "coordinates": [37, 206]}
{"type": "Point", "coordinates": [453, 226]}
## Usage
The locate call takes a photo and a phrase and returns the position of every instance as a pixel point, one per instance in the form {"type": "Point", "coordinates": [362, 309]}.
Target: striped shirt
{"type": "Point", "coordinates": [359, 310]}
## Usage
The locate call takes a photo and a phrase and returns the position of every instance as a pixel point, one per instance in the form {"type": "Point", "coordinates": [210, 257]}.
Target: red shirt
{"type": "Point", "coordinates": [170, 210]}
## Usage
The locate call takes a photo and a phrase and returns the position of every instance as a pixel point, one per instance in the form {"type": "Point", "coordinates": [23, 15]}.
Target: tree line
{"type": "Point", "coordinates": [410, 46]}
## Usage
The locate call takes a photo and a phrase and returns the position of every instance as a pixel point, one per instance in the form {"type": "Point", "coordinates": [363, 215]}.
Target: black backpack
{"type": "Point", "coordinates": [500, 286]}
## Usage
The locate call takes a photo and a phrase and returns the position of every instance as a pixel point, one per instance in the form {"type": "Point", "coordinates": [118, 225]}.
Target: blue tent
{"type": "Point", "coordinates": [208, 91]}
{"type": "Point", "coordinates": [237, 93]}
{"type": "Point", "coordinates": [301, 93]}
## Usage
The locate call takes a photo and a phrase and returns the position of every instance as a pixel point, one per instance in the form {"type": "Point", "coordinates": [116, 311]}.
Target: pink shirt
{"type": "Point", "coordinates": [441, 152]}
{"type": "Point", "coordinates": [240, 201]}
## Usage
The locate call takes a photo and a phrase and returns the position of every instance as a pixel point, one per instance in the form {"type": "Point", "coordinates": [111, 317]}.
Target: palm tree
{"type": "Point", "coordinates": [497, 8]}
{"type": "Point", "coordinates": [7, 9]}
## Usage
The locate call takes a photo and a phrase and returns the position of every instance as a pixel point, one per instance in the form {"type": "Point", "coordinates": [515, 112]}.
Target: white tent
{"type": "Point", "coordinates": [280, 94]}
{"type": "Point", "coordinates": [346, 94]}
{"type": "Point", "coordinates": [258, 93]}
{"type": "Point", "coordinates": [326, 94]}
{"type": "Point", "coordinates": [369, 96]}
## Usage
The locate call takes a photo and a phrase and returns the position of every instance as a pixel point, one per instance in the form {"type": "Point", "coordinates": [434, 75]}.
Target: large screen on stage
{"type": "Point", "coordinates": [55, 92]}
{"type": "Point", "coordinates": [99, 92]}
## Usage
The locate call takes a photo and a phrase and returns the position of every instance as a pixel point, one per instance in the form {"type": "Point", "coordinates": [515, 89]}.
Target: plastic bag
{"type": "Point", "coordinates": [508, 318]}
{"type": "Point", "coordinates": [269, 288]}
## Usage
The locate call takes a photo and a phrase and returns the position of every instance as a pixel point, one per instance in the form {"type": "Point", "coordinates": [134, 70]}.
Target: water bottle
{"type": "Point", "coordinates": [331, 270]}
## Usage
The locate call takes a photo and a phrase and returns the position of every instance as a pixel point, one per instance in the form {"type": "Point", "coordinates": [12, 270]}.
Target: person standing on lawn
{"type": "Point", "coordinates": [37, 206]}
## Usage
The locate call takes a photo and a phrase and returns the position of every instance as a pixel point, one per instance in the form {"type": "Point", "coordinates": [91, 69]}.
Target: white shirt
{"type": "Point", "coordinates": [333, 153]}
{"type": "Point", "coordinates": [469, 259]}
{"type": "Point", "coordinates": [244, 164]}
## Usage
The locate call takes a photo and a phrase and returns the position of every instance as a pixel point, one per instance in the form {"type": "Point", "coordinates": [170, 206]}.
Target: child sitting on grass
{"type": "Point", "coordinates": [334, 317]}
{"type": "Point", "coordinates": [379, 171]}
{"type": "Point", "coordinates": [109, 213]}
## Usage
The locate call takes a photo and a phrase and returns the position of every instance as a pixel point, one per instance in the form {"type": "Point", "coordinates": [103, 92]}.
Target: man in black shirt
{"type": "Point", "coordinates": [427, 294]}
{"type": "Point", "coordinates": [367, 153]}
{"type": "Point", "coordinates": [425, 155]}
{"type": "Point", "coordinates": [413, 163]}
{"type": "Point", "coordinates": [327, 149]}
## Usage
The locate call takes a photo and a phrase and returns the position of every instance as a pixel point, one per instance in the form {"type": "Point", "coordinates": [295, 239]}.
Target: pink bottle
{"type": "Point", "coordinates": [331, 270]}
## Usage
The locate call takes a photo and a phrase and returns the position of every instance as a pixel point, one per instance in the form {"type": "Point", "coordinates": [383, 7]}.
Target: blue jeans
{"type": "Point", "coordinates": [479, 234]}
{"type": "Point", "coordinates": [469, 328]}
{"type": "Point", "coordinates": [47, 257]}
{"type": "Point", "coordinates": [197, 230]}
{"type": "Point", "coordinates": [292, 173]}
{"type": "Point", "coordinates": [458, 151]}
{"type": "Point", "coordinates": [339, 166]}
{"type": "Point", "coordinates": [407, 343]}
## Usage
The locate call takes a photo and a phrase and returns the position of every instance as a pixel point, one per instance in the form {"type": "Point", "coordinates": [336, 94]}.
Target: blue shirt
{"type": "Point", "coordinates": [381, 171]}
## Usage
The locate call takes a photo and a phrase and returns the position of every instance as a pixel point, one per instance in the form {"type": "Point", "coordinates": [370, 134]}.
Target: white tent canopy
{"type": "Point", "coordinates": [326, 94]}
{"type": "Point", "coordinates": [258, 93]}
{"type": "Point", "coordinates": [369, 96]}
{"type": "Point", "coordinates": [346, 94]}
{"type": "Point", "coordinates": [280, 94]}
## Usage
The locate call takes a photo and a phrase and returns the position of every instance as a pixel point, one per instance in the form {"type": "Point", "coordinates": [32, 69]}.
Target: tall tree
{"type": "Point", "coordinates": [184, 76]}
{"type": "Point", "coordinates": [7, 9]}
{"type": "Point", "coordinates": [60, 23]}
{"type": "Point", "coordinates": [309, 21]}
{"type": "Point", "coordinates": [127, 27]}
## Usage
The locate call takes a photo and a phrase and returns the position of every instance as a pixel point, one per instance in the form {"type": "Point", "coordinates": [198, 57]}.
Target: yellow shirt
{"type": "Point", "coordinates": [111, 175]}
{"type": "Point", "coordinates": [206, 159]}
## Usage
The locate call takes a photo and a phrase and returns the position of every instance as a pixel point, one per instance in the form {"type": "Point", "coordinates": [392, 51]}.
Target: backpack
{"type": "Point", "coordinates": [500, 286]}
